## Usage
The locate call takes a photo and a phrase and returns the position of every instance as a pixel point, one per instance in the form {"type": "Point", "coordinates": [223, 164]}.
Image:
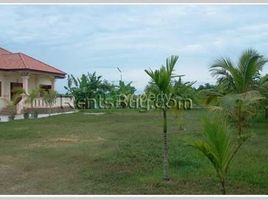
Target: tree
{"type": "Point", "coordinates": [50, 97]}
{"type": "Point", "coordinates": [184, 90]}
{"type": "Point", "coordinates": [218, 147]}
{"type": "Point", "coordinates": [237, 86]}
{"type": "Point", "coordinates": [125, 89]}
{"type": "Point", "coordinates": [87, 87]}
{"type": "Point", "coordinates": [90, 86]}
{"type": "Point", "coordinates": [240, 78]}
{"type": "Point", "coordinates": [205, 87]}
{"type": "Point", "coordinates": [30, 96]}
{"type": "Point", "coordinates": [162, 79]}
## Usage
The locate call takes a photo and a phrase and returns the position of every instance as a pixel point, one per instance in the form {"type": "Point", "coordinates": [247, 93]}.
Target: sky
{"type": "Point", "coordinates": [86, 38]}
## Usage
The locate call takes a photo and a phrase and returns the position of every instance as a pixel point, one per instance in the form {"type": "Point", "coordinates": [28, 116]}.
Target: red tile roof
{"type": "Point", "coordinates": [4, 51]}
{"type": "Point", "coordinates": [20, 61]}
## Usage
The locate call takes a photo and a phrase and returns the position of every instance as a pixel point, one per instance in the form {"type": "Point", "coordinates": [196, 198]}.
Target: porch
{"type": "Point", "coordinates": [12, 81]}
{"type": "Point", "coordinates": [61, 104]}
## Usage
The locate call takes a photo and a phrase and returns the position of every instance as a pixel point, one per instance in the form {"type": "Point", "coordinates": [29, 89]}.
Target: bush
{"type": "Point", "coordinates": [26, 115]}
{"type": "Point", "coordinates": [11, 111]}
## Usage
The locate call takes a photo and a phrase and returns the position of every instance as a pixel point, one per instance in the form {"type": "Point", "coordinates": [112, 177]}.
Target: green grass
{"type": "Point", "coordinates": [120, 152]}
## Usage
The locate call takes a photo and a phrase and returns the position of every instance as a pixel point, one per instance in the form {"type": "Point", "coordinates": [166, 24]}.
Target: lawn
{"type": "Point", "coordinates": [120, 152]}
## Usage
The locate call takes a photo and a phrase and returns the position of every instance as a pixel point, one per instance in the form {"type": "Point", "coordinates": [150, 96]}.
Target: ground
{"type": "Point", "coordinates": [120, 152]}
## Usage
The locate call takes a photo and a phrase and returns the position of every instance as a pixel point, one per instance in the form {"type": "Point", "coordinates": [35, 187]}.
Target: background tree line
{"type": "Point", "coordinates": [92, 86]}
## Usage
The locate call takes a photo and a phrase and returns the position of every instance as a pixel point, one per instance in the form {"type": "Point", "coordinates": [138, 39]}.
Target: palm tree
{"type": "Point", "coordinates": [30, 96]}
{"type": "Point", "coordinates": [218, 147]}
{"type": "Point", "coordinates": [242, 77]}
{"type": "Point", "coordinates": [50, 98]}
{"type": "Point", "coordinates": [238, 85]}
{"type": "Point", "coordinates": [162, 79]}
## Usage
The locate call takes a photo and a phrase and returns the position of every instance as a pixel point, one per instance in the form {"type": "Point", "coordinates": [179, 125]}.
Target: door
{"type": "Point", "coordinates": [13, 91]}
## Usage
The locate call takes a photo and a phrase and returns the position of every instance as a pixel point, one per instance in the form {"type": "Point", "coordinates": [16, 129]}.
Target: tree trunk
{"type": "Point", "coordinates": [49, 111]}
{"type": "Point", "coordinates": [266, 112]}
{"type": "Point", "coordinates": [223, 186]}
{"type": "Point", "coordinates": [165, 147]}
{"type": "Point", "coordinates": [32, 112]}
{"type": "Point", "coordinates": [240, 122]}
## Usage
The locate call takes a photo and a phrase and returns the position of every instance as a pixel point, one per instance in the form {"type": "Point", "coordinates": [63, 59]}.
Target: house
{"type": "Point", "coordinates": [18, 70]}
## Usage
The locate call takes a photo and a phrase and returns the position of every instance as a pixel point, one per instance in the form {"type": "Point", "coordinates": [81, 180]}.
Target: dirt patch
{"type": "Point", "coordinates": [55, 142]}
{"type": "Point", "coordinates": [64, 140]}
{"type": "Point", "coordinates": [100, 139]}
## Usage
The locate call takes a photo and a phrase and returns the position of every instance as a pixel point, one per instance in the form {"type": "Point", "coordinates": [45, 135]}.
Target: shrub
{"type": "Point", "coordinates": [26, 115]}
{"type": "Point", "coordinates": [11, 110]}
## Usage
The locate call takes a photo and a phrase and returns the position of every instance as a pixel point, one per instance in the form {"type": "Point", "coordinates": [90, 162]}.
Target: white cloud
{"type": "Point", "coordinates": [98, 38]}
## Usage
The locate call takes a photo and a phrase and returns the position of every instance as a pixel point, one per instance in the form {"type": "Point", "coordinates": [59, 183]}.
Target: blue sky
{"type": "Point", "coordinates": [88, 38]}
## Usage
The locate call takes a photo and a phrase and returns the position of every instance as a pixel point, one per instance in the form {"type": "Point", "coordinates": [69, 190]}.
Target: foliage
{"type": "Point", "coordinates": [49, 97]}
{"type": "Point", "coordinates": [237, 87]}
{"type": "Point", "coordinates": [11, 108]}
{"type": "Point", "coordinates": [33, 94]}
{"type": "Point", "coordinates": [125, 89]}
{"type": "Point", "coordinates": [151, 88]}
{"type": "Point", "coordinates": [178, 89]}
{"type": "Point", "coordinates": [86, 87]}
{"type": "Point", "coordinates": [184, 90]}
{"type": "Point", "coordinates": [92, 86]}
{"type": "Point", "coordinates": [162, 77]}
{"type": "Point", "coordinates": [239, 108]}
{"type": "Point", "coordinates": [242, 77]}
{"type": "Point", "coordinates": [30, 96]}
{"type": "Point", "coordinates": [263, 89]}
{"type": "Point", "coordinates": [205, 86]}
{"type": "Point", "coordinates": [26, 115]}
{"type": "Point", "coordinates": [218, 147]}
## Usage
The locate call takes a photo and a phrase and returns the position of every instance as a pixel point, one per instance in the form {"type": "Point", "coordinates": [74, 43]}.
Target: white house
{"type": "Point", "coordinates": [18, 70]}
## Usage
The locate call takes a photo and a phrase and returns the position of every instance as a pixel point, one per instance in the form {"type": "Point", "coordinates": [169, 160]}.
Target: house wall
{"type": "Point", "coordinates": [35, 80]}
{"type": "Point", "coordinates": [6, 79]}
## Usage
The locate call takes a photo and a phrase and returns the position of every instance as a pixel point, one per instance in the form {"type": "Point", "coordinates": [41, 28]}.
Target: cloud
{"type": "Point", "coordinates": [99, 38]}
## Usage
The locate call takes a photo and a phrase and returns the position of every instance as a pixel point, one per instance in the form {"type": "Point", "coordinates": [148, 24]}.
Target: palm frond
{"type": "Point", "coordinates": [216, 144]}
{"type": "Point", "coordinates": [162, 77]}
{"type": "Point", "coordinates": [242, 77]}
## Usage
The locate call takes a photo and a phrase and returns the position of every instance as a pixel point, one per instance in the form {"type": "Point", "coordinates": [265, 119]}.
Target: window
{"type": "Point", "coordinates": [45, 87]}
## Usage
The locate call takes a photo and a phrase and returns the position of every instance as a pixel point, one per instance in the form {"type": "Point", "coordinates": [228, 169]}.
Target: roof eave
{"type": "Point", "coordinates": [57, 75]}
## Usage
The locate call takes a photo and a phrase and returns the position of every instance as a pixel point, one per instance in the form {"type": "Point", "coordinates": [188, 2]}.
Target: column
{"type": "Point", "coordinates": [6, 87]}
{"type": "Point", "coordinates": [25, 83]}
{"type": "Point", "coordinates": [53, 80]}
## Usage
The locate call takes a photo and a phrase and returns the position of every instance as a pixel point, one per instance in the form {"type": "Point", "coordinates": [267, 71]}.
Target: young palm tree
{"type": "Point", "coordinates": [242, 77]}
{"type": "Point", "coordinates": [50, 98]}
{"type": "Point", "coordinates": [33, 94]}
{"type": "Point", "coordinates": [238, 85]}
{"type": "Point", "coordinates": [30, 96]}
{"type": "Point", "coordinates": [218, 147]}
{"type": "Point", "coordinates": [162, 79]}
